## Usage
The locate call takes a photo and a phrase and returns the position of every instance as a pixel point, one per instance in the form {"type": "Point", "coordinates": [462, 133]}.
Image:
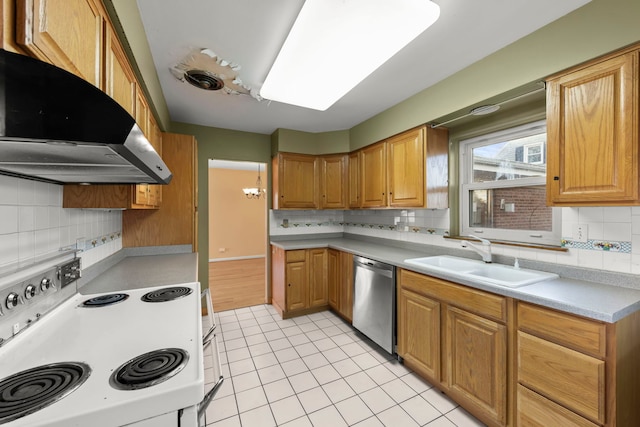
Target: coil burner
{"type": "Point", "coordinates": [149, 369]}
{"type": "Point", "coordinates": [105, 300]}
{"type": "Point", "coordinates": [167, 294]}
{"type": "Point", "coordinates": [33, 389]}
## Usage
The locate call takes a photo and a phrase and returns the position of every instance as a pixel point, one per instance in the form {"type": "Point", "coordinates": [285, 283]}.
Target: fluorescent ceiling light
{"type": "Point", "coordinates": [335, 44]}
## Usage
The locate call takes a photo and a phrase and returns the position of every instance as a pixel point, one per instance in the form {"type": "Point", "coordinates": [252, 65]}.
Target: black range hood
{"type": "Point", "coordinates": [56, 127]}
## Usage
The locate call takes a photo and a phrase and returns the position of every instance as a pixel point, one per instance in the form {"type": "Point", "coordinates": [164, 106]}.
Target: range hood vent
{"type": "Point", "coordinates": [56, 127]}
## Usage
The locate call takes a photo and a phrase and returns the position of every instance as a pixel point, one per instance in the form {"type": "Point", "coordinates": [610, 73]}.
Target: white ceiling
{"type": "Point", "coordinates": [250, 33]}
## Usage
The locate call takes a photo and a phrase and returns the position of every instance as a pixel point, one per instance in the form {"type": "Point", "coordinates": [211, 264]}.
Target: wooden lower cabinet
{"type": "Point", "coordinates": [476, 368]}
{"type": "Point", "coordinates": [298, 281]}
{"type": "Point", "coordinates": [456, 338]}
{"type": "Point", "coordinates": [419, 333]}
{"type": "Point", "coordinates": [537, 411]}
{"type": "Point", "coordinates": [317, 259]}
{"type": "Point", "coordinates": [340, 283]}
{"type": "Point", "coordinates": [577, 370]}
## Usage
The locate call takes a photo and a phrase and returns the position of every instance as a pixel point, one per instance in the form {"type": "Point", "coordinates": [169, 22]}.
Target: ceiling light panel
{"type": "Point", "coordinates": [335, 44]}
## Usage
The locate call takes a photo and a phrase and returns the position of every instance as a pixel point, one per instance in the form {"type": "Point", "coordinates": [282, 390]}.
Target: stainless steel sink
{"type": "Point", "coordinates": [478, 271]}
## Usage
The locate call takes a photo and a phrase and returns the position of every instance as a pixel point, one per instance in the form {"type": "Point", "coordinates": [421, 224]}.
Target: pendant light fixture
{"type": "Point", "coordinates": [255, 192]}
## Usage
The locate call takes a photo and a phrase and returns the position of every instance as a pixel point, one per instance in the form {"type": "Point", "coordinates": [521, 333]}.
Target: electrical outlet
{"type": "Point", "coordinates": [581, 233]}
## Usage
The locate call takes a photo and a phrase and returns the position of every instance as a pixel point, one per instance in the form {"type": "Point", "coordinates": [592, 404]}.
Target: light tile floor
{"type": "Point", "coordinates": [316, 370]}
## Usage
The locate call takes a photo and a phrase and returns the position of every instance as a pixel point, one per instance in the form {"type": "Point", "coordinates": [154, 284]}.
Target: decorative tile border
{"type": "Point", "coordinates": [598, 245]}
{"type": "Point", "coordinates": [401, 228]}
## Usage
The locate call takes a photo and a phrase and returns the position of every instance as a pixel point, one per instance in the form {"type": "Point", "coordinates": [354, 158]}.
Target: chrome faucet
{"type": "Point", "coordinates": [484, 251]}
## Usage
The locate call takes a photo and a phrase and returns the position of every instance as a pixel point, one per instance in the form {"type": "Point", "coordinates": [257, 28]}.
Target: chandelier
{"type": "Point", "coordinates": [257, 191]}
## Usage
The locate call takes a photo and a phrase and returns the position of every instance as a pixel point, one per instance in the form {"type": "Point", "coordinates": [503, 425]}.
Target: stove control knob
{"type": "Point", "coordinates": [12, 300]}
{"type": "Point", "coordinates": [45, 284]}
{"type": "Point", "coordinates": [30, 292]}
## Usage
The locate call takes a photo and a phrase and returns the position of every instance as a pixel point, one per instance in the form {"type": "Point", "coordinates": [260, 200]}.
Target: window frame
{"type": "Point", "coordinates": [467, 185]}
{"type": "Point", "coordinates": [526, 154]}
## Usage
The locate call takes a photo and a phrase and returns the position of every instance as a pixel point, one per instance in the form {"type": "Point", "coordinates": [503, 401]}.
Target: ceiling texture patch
{"type": "Point", "coordinates": [204, 69]}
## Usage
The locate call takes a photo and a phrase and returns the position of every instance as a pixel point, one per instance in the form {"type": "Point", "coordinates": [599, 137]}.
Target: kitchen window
{"type": "Point", "coordinates": [503, 191]}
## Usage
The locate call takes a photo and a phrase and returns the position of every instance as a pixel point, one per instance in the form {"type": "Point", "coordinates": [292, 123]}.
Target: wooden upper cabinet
{"type": "Point", "coordinates": [120, 82]}
{"type": "Point", "coordinates": [295, 183]}
{"type": "Point", "coordinates": [333, 182]}
{"type": "Point", "coordinates": [354, 179]}
{"type": "Point", "coordinates": [373, 175]}
{"type": "Point", "coordinates": [405, 166]}
{"type": "Point", "coordinates": [592, 134]}
{"type": "Point", "coordinates": [142, 112]}
{"type": "Point", "coordinates": [66, 33]}
{"type": "Point", "coordinates": [407, 170]}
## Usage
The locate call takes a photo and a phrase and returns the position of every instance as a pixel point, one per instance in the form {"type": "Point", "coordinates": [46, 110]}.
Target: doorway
{"type": "Point", "coordinates": [237, 233]}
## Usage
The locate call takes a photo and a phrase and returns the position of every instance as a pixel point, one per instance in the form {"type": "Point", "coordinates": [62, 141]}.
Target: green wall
{"type": "Point", "coordinates": [595, 29]}
{"type": "Point", "coordinates": [311, 143]}
{"type": "Point", "coordinates": [221, 144]}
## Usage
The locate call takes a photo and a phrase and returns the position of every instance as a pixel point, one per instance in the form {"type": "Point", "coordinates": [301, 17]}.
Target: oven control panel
{"type": "Point", "coordinates": [31, 296]}
{"type": "Point", "coordinates": [69, 272]}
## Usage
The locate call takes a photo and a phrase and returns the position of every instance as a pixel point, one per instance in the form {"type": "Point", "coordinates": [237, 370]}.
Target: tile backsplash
{"type": "Point", "coordinates": [613, 233]}
{"type": "Point", "coordinates": [33, 223]}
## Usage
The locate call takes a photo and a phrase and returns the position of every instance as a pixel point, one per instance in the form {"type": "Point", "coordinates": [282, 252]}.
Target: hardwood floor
{"type": "Point", "coordinates": [236, 284]}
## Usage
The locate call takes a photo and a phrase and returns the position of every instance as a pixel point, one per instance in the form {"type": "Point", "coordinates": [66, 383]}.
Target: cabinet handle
{"type": "Point", "coordinates": [556, 178]}
{"type": "Point", "coordinates": [289, 285]}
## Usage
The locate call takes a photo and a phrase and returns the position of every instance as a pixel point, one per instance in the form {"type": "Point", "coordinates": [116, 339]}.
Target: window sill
{"type": "Point", "coordinates": [516, 244]}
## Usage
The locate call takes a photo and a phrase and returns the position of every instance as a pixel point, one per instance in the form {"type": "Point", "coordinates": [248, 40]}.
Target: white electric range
{"type": "Point", "coordinates": [131, 358]}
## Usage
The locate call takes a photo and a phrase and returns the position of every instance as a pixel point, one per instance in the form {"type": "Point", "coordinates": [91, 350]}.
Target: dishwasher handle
{"type": "Point", "coordinates": [375, 266]}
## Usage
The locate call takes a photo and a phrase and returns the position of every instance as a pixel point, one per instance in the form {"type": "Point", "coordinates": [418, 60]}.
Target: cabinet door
{"type": "Point", "coordinates": [419, 332]}
{"type": "Point", "coordinates": [405, 166]}
{"type": "Point", "coordinates": [141, 194]}
{"type": "Point", "coordinates": [297, 180]}
{"type": "Point", "coordinates": [333, 278]}
{"type": "Point", "coordinates": [155, 138]}
{"type": "Point", "coordinates": [373, 176]}
{"type": "Point", "coordinates": [296, 277]}
{"type": "Point", "coordinates": [142, 113]}
{"type": "Point", "coordinates": [120, 82]}
{"type": "Point", "coordinates": [354, 180]}
{"type": "Point", "coordinates": [592, 134]}
{"type": "Point", "coordinates": [345, 292]}
{"type": "Point", "coordinates": [476, 351]}
{"type": "Point", "coordinates": [317, 259]}
{"type": "Point", "coordinates": [333, 182]}
{"type": "Point", "coordinates": [66, 33]}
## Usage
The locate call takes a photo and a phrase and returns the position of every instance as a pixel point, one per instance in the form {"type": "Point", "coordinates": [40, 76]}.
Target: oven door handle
{"type": "Point", "coordinates": [206, 295]}
{"type": "Point", "coordinates": [202, 406]}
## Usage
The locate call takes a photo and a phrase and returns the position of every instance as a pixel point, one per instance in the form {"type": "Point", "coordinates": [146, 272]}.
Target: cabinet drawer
{"type": "Point", "coordinates": [479, 302]}
{"type": "Point", "coordinates": [536, 411]}
{"type": "Point", "coordinates": [293, 256]}
{"type": "Point", "coordinates": [568, 377]}
{"type": "Point", "coordinates": [575, 332]}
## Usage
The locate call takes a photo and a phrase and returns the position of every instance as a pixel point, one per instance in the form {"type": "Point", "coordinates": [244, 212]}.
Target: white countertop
{"type": "Point", "coordinates": [145, 271]}
{"type": "Point", "coordinates": [593, 300]}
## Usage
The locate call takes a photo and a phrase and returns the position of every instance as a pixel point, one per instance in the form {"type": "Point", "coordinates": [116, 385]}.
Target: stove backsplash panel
{"type": "Point", "coordinates": [33, 223]}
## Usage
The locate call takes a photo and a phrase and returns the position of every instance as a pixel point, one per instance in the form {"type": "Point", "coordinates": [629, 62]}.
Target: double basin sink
{"type": "Point", "coordinates": [479, 271]}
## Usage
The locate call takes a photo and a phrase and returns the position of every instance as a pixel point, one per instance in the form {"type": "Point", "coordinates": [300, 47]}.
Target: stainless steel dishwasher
{"type": "Point", "coordinates": [374, 301]}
